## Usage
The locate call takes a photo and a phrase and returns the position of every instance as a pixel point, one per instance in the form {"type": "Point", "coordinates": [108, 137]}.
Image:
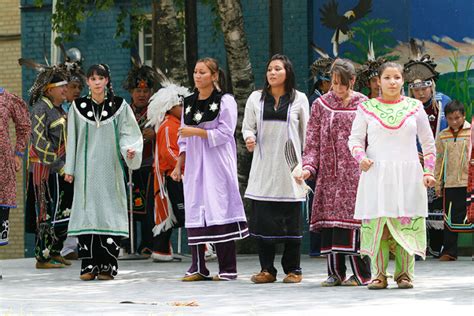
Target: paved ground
{"type": "Point", "coordinates": [147, 288]}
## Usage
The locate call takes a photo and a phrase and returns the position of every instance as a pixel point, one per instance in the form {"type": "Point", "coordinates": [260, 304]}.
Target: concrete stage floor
{"type": "Point", "coordinates": [148, 288]}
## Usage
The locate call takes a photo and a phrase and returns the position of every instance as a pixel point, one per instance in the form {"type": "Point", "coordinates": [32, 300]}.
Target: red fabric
{"type": "Point", "coordinates": [327, 155]}
{"type": "Point", "coordinates": [11, 108]}
{"type": "Point", "coordinates": [167, 150]}
{"type": "Point", "coordinates": [167, 143]}
{"type": "Point", "coordinates": [470, 185]}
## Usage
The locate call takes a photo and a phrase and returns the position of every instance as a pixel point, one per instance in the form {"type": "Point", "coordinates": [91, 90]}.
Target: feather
{"type": "Point", "coordinates": [136, 61]}
{"type": "Point", "coordinates": [363, 8]}
{"type": "Point", "coordinates": [44, 50]}
{"type": "Point", "coordinates": [32, 64]}
{"type": "Point", "coordinates": [162, 101]}
{"type": "Point", "coordinates": [63, 52]}
{"type": "Point", "coordinates": [371, 52]}
{"type": "Point", "coordinates": [415, 50]}
{"type": "Point", "coordinates": [319, 50]}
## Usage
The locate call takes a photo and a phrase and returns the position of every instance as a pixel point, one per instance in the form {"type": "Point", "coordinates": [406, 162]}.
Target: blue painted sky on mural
{"type": "Point", "coordinates": [409, 18]}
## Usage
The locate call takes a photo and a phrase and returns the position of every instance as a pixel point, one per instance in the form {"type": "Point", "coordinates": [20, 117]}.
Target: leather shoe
{"type": "Point", "coordinates": [61, 259]}
{"type": "Point", "coordinates": [51, 264]}
{"type": "Point", "coordinates": [447, 257]}
{"type": "Point", "coordinates": [105, 277]}
{"type": "Point", "coordinates": [263, 277]}
{"type": "Point", "coordinates": [293, 278]}
{"type": "Point", "coordinates": [87, 276]}
{"type": "Point", "coordinates": [195, 277]}
{"type": "Point", "coordinates": [71, 256]}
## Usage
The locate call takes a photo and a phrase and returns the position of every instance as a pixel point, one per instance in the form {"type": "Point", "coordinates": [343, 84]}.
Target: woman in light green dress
{"type": "Point", "coordinates": [102, 133]}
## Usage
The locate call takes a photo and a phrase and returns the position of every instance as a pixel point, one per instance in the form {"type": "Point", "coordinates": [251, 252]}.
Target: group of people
{"type": "Point", "coordinates": [373, 163]}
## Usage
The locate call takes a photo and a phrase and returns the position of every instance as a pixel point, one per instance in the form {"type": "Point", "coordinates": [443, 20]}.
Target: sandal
{"type": "Point", "coordinates": [404, 282]}
{"type": "Point", "coordinates": [379, 283]}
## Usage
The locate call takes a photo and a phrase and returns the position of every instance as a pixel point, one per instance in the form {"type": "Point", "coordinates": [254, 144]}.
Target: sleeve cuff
{"type": "Point", "coordinates": [247, 134]}
{"type": "Point", "coordinates": [310, 169]}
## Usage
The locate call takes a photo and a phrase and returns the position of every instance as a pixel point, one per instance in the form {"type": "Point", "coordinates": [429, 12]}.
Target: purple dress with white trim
{"type": "Point", "coordinates": [214, 208]}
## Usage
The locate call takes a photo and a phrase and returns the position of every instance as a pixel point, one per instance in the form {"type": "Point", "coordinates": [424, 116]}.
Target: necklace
{"type": "Point", "coordinates": [97, 116]}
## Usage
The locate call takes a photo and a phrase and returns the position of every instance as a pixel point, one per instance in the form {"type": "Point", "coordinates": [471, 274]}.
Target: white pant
{"type": "Point", "coordinates": [70, 245]}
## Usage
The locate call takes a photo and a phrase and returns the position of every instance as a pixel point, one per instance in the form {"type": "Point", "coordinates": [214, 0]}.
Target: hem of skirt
{"type": "Point", "coordinates": [334, 224]}
{"type": "Point", "coordinates": [371, 217]}
{"type": "Point", "coordinates": [97, 232]}
{"type": "Point", "coordinates": [274, 198]}
{"type": "Point", "coordinates": [216, 240]}
{"type": "Point", "coordinates": [8, 206]}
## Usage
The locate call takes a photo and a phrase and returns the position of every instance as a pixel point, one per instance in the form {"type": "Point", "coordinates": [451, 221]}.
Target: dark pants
{"type": "Point", "coordinates": [360, 267]}
{"type": "Point", "coordinates": [4, 225]}
{"type": "Point", "coordinates": [314, 237]}
{"type": "Point", "coordinates": [143, 208]}
{"type": "Point", "coordinates": [455, 208]}
{"type": "Point", "coordinates": [226, 257]}
{"type": "Point", "coordinates": [161, 242]}
{"type": "Point", "coordinates": [99, 254]}
{"type": "Point", "coordinates": [290, 260]}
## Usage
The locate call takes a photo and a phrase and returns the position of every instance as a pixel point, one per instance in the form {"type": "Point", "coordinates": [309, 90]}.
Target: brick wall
{"type": "Point", "coordinates": [10, 79]}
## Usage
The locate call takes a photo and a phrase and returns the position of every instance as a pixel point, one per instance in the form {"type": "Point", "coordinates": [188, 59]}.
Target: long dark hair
{"type": "Point", "coordinates": [290, 80]}
{"type": "Point", "coordinates": [104, 71]}
{"type": "Point", "coordinates": [213, 66]}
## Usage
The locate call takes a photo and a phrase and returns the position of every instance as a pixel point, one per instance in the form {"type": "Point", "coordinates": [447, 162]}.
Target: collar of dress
{"type": "Point", "coordinates": [391, 115]}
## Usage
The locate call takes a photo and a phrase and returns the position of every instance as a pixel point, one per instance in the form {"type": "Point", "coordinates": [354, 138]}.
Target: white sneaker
{"type": "Point", "coordinates": [210, 254]}
{"type": "Point", "coordinates": [157, 257]}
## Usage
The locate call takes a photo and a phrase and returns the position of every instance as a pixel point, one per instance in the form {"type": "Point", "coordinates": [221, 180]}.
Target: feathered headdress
{"type": "Point", "coordinates": [321, 67]}
{"type": "Point", "coordinates": [47, 77]}
{"type": "Point", "coordinates": [69, 70]}
{"type": "Point", "coordinates": [421, 67]}
{"type": "Point", "coordinates": [140, 76]}
{"type": "Point", "coordinates": [72, 64]}
{"type": "Point", "coordinates": [166, 98]}
{"type": "Point", "coordinates": [369, 69]}
{"type": "Point", "coordinates": [161, 102]}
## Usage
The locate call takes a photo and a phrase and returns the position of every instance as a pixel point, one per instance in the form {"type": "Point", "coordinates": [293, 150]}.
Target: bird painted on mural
{"type": "Point", "coordinates": [341, 23]}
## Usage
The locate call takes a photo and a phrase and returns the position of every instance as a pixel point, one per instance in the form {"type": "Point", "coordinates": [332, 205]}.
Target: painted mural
{"type": "Point", "coordinates": [444, 30]}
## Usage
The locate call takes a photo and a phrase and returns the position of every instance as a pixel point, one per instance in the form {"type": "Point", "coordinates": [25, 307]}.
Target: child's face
{"type": "Point", "coordinates": [176, 111]}
{"type": "Point", "coordinates": [455, 120]}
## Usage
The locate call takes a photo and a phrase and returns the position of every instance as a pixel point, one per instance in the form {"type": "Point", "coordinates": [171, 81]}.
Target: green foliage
{"type": "Point", "coordinates": [376, 31]}
{"type": "Point", "coordinates": [69, 14]}
{"type": "Point", "coordinates": [460, 84]}
{"type": "Point", "coordinates": [138, 20]}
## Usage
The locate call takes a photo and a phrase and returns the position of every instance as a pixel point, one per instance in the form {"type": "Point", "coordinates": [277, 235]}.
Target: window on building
{"type": "Point", "coordinates": [145, 39]}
